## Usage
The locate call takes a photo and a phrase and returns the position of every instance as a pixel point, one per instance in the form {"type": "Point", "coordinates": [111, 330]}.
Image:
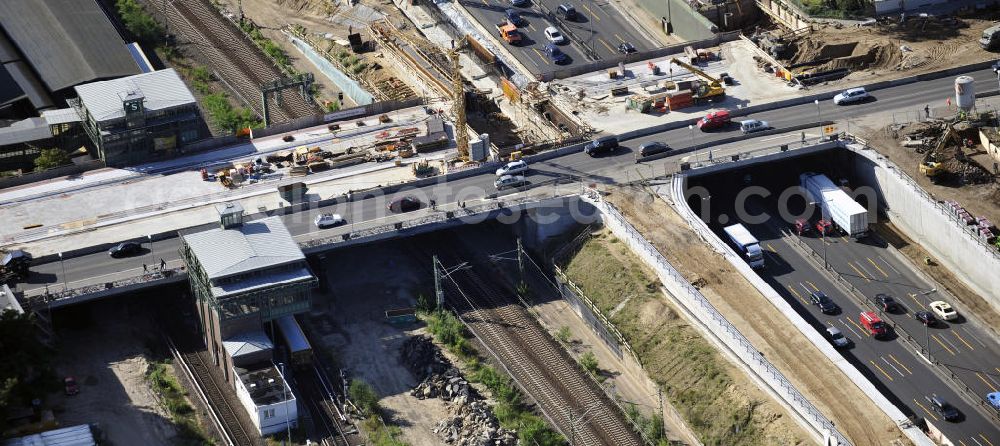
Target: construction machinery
{"type": "Point", "coordinates": [702, 91]}
{"type": "Point", "coordinates": [508, 31]}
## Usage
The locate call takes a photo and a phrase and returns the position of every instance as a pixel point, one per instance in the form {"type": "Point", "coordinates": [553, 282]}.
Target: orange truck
{"type": "Point", "coordinates": [509, 33]}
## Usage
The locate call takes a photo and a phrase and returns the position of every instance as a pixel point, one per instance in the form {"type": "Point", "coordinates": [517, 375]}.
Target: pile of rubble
{"type": "Point", "coordinates": [946, 143]}
{"type": "Point", "coordinates": [471, 421]}
{"type": "Point", "coordinates": [473, 424]}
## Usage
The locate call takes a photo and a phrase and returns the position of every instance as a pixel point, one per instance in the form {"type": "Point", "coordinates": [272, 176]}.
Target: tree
{"type": "Point", "coordinates": [25, 371]}
{"type": "Point", "coordinates": [140, 24]}
{"type": "Point", "coordinates": [50, 158]}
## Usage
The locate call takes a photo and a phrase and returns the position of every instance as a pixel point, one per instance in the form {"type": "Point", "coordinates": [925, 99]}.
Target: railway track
{"type": "Point", "coordinates": [222, 412]}
{"type": "Point", "coordinates": [568, 398]}
{"type": "Point", "coordinates": [235, 59]}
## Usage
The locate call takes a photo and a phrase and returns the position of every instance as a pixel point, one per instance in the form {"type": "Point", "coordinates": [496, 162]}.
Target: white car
{"type": "Point", "coordinates": [554, 35]}
{"type": "Point", "coordinates": [753, 125]}
{"type": "Point", "coordinates": [851, 95]}
{"type": "Point", "coordinates": [513, 168]}
{"type": "Point", "coordinates": [509, 181]}
{"type": "Point", "coordinates": [328, 220]}
{"type": "Point", "coordinates": [944, 310]}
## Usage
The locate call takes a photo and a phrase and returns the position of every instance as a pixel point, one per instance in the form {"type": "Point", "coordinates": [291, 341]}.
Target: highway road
{"type": "Point", "coordinates": [599, 29]}
{"type": "Point", "coordinates": [906, 377]}
{"type": "Point", "coordinates": [897, 370]}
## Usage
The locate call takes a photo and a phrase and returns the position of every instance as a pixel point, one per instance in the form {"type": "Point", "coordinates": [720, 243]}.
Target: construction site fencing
{"type": "Point", "coordinates": [347, 85]}
{"type": "Point", "coordinates": [593, 316]}
{"type": "Point", "coordinates": [717, 325]}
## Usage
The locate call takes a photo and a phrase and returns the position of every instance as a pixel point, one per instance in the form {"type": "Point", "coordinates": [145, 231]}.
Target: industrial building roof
{"type": "Point", "coordinates": [255, 245]}
{"type": "Point", "coordinates": [246, 343]}
{"type": "Point", "coordinates": [162, 89]}
{"type": "Point", "coordinates": [79, 435]}
{"type": "Point", "coordinates": [265, 385]}
{"type": "Point", "coordinates": [36, 129]}
{"type": "Point", "coordinates": [68, 42]}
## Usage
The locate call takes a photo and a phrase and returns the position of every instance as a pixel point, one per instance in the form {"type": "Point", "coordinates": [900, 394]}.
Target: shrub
{"type": "Point", "coordinates": [364, 397]}
{"type": "Point", "coordinates": [51, 158]}
{"type": "Point", "coordinates": [589, 363]}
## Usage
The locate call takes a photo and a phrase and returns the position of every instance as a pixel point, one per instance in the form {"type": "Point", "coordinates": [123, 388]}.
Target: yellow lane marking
{"type": "Point", "coordinates": [914, 297]}
{"type": "Point", "coordinates": [606, 44]}
{"type": "Point", "coordinates": [890, 365]}
{"type": "Point", "coordinates": [812, 285]}
{"type": "Point", "coordinates": [592, 13]}
{"type": "Point", "coordinates": [980, 375]}
{"type": "Point", "coordinates": [771, 247]}
{"type": "Point", "coordinates": [986, 439]}
{"type": "Point", "coordinates": [539, 53]}
{"type": "Point", "coordinates": [961, 442]}
{"type": "Point", "coordinates": [532, 28]}
{"type": "Point", "coordinates": [883, 371]}
{"type": "Point", "coordinates": [620, 39]}
{"type": "Point", "coordinates": [796, 293]}
{"type": "Point", "coordinates": [893, 358]}
{"type": "Point", "coordinates": [974, 338]}
{"type": "Point", "coordinates": [850, 328]}
{"type": "Point", "coordinates": [859, 272]}
{"type": "Point", "coordinates": [934, 337]}
{"type": "Point", "coordinates": [486, 3]}
{"type": "Point", "coordinates": [925, 409]}
{"type": "Point", "coordinates": [960, 338]}
{"type": "Point", "coordinates": [859, 327]}
{"type": "Point", "coordinates": [877, 267]}
{"type": "Point", "coordinates": [868, 274]}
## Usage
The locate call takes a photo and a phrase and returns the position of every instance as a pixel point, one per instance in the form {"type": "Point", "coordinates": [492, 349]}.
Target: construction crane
{"type": "Point", "coordinates": [712, 89]}
{"type": "Point", "coordinates": [458, 97]}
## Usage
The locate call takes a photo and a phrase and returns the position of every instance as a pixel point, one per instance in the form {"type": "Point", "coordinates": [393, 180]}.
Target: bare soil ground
{"type": "Point", "coordinates": [352, 325]}
{"type": "Point", "coordinates": [811, 372]}
{"type": "Point", "coordinates": [108, 358]}
{"type": "Point", "coordinates": [877, 52]}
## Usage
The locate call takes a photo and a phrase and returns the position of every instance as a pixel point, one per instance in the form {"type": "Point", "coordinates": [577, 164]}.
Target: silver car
{"type": "Point", "coordinates": [837, 338]}
{"type": "Point", "coordinates": [509, 181]}
{"type": "Point", "coordinates": [328, 220]}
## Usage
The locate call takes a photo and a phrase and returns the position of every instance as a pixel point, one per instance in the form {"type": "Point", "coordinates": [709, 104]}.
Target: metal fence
{"type": "Point", "coordinates": [701, 308]}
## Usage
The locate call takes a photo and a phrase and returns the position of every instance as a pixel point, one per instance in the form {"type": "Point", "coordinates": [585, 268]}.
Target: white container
{"type": "Point", "coordinates": [965, 92]}
{"type": "Point", "coordinates": [835, 204]}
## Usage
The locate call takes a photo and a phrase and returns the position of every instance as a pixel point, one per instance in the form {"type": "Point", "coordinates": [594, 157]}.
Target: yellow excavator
{"type": "Point", "coordinates": [705, 90]}
{"type": "Point", "coordinates": [928, 166]}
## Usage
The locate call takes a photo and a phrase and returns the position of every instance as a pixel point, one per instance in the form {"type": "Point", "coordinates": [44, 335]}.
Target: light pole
{"type": "Point", "coordinates": [284, 396]}
{"type": "Point", "coordinates": [63, 266]}
{"type": "Point", "coordinates": [691, 128]}
{"type": "Point", "coordinates": [574, 420]}
{"type": "Point", "coordinates": [818, 118]}
{"type": "Point", "coordinates": [152, 257]}
{"type": "Point", "coordinates": [996, 69]}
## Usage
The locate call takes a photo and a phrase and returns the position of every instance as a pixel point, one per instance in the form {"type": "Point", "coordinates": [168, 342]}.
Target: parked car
{"type": "Point", "coordinates": [994, 399]}
{"type": "Point", "coordinates": [125, 249]}
{"type": "Point", "coordinates": [626, 48]}
{"type": "Point", "coordinates": [404, 204]}
{"type": "Point", "coordinates": [925, 317]}
{"type": "Point", "coordinates": [70, 386]}
{"type": "Point", "coordinates": [605, 144]}
{"type": "Point", "coordinates": [554, 36]}
{"type": "Point", "coordinates": [514, 17]}
{"type": "Point", "coordinates": [519, 3]}
{"type": "Point", "coordinates": [652, 148]}
{"type": "Point", "coordinates": [939, 405]}
{"type": "Point", "coordinates": [753, 125]}
{"type": "Point", "coordinates": [288, 138]}
{"type": "Point", "coordinates": [836, 337]}
{"type": "Point", "coordinates": [801, 226]}
{"type": "Point", "coordinates": [885, 302]}
{"type": "Point", "coordinates": [851, 95]}
{"type": "Point", "coordinates": [513, 168]}
{"type": "Point", "coordinates": [715, 120]}
{"type": "Point", "coordinates": [943, 310]}
{"type": "Point", "coordinates": [824, 303]}
{"type": "Point", "coordinates": [555, 54]}
{"type": "Point", "coordinates": [567, 12]}
{"type": "Point", "coordinates": [329, 220]}
{"type": "Point", "coordinates": [509, 181]}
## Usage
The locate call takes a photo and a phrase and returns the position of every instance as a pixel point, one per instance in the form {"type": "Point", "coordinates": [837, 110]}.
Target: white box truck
{"type": "Point", "coordinates": [746, 244]}
{"type": "Point", "coordinates": [835, 204]}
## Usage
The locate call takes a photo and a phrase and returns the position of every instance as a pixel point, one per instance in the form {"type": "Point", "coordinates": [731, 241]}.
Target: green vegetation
{"type": "Point", "coordinates": [589, 363]}
{"type": "Point", "coordinates": [693, 376]}
{"type": "Point", "coordinates": [836, 8]}
{"type": "Point", "coordinates": [200, 78]}
{"type": "Point", "coordinates": [364, 397]}
{"type": "Point", "coordinates": [138, 22]}
{"type": "Point", "coordinates": [563, 334]}
{"type": "Point", "coordinates": [380, 434]}
{"type": "Point", "coordinates": [26, 369]}
{"type": "Point", "coordinates": [510, 409]}
{"type": "Point", "coordinates": [268, 47]}
{"type": "Point", "coordinates": [652, 426]}
{"type": "Point", "coordinates": [174, 399]}
{"type": "Point", "coordinates": [51, 158]}
{"type": "Point", "coordinates": [224, 116]}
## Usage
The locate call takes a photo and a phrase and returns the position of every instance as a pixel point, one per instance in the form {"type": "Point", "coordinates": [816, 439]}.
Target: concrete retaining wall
{"type": "Point", "coordinates": [688, 23]}
{"type": "Point", "coordinates": [927, 222]}
{"type": "Point", "coordinates": [74, 169]}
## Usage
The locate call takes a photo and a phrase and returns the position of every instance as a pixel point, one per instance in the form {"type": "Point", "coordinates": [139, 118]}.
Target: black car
{"type": "Point", "coordinates": [925, 317]}
{"type": "Point", "coordinates": [567, 12]}
{"type": "Point", "coordinates": [16, 261]}
{"type": "Point", "coordinates": [942, 407]}
{"type": "Point", "coordinates": [626, 48]}
{"type": "Point", "coordinates": [514, 17]}
{"type": "Point", "coordinates": [125, 249]}
{"type": "Point", "coordinates": [606, 144]}
{"type": "Point", "coordinates": [404, 204]}
{"type": "Point", "coordinates": [824, 303]}
{"type": "Point", "coordinates": [885, 302]}
{"type": "Point", "coordinates": [652, 148]}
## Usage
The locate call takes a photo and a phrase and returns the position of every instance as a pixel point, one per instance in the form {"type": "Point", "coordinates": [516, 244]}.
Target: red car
{"type": "Point", "coordinates": [824, 227]}
{"type": "Point", "coordinates": [715, 120]}
{"type": "Point", "coordinates": [70, 385]}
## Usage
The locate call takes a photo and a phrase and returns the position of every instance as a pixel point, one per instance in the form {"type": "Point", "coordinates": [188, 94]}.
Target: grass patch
{"type": "Point", "coordinates": [509, 409]}
{"type": "Point", "coordinates": [693, 376]}
{"type": "Point", "coordinates": [268, 46]}
{"type": "Point", "coordinates": [380, 434]}
{"type": "Point", "coordinates": [173, 397]}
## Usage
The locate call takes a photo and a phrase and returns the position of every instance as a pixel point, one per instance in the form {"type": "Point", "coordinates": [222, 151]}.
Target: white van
{"type": "Point", "coordinates": [753, 125]}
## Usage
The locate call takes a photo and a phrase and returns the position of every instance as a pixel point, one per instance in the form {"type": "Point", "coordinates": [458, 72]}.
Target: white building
{"type": "Point", "coordinates": [261, 387]}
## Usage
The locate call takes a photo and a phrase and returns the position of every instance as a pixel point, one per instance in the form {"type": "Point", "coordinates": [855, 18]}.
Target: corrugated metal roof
{"type": "Point", "coordinates": [60, 116]}
{"type": "Point", "coordinates": [68, 42]}
{"type": "Point", "coordinates": [254, 245]}
{"type": "Point", "coordinates": [293, 334]}
{"type": "Point", "coordinates": [247, 343]}
{"type": "Point", "coordinates": [162, 89]}
{"type": "Point", "coordinates": [27, 130]}
{"type": "Point", "coordinates": [79, 435]}
{"type": "Point", "coordinates": [253, 283]}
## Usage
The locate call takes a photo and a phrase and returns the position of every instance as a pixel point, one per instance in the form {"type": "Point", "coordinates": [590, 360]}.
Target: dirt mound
{"type": "Point", "coordinates": [319, 7]}
{"type": "Point", "coordinates": [866, 55]}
